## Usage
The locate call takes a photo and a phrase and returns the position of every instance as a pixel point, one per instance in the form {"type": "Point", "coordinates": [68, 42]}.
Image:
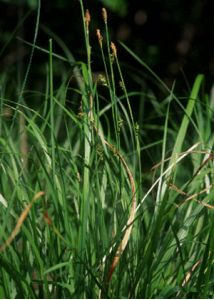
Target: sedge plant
{"type": "Point", "coordinates": [110, 204]}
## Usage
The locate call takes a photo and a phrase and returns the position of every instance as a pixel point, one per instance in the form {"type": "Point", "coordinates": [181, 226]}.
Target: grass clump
{"type": "Point", "coordinates": [81, 214]}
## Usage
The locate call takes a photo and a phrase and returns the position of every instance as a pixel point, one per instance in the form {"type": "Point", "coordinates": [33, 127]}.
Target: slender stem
{"type": "Point", "coordinates": [53, 154]}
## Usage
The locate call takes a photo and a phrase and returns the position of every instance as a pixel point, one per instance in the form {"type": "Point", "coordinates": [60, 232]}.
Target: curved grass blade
{"type": "Point", "coordinates": [21, 219]}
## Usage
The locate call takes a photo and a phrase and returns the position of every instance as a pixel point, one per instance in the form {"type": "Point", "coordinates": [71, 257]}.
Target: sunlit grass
{"type": "Point", "coordinates": [99, 202]}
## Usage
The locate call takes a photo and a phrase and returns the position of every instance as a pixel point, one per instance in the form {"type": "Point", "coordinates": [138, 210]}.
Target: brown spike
{"type": "Point", "coordinates": [114, 49]}
{"type": "Point", "coordinates": [100, 37]}
{"type": "Point", "coordinates": [104, 14]}
{"type": "Point", "coordinates": [87, 18]}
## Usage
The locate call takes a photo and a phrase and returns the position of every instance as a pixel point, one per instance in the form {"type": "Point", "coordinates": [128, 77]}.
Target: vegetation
{"type": "Point", "coordinates": [84, 213]}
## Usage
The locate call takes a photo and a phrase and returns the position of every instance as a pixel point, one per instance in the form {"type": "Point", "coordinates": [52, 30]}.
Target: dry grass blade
{"type": "Point", "coordinates": [167, 171]}
{"type": "Point", "coordinates": [129, 224]}
{"type": "Point", "coordinates": [205, 204]}
{"type": "Point", "coordinates": [192, 197]}
{"type": "Point", "coordinates": [20, 221]}
{"type": "Point", "coordinates": [189, 274]}
{"type": "Point", "coordinates": [179, 154]}
{"type": "Point", "coordinates": [196, 194]}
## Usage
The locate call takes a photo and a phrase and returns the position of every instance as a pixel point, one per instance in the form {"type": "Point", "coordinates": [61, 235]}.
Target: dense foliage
{"type": "Point", "coordinates": [106, 174]}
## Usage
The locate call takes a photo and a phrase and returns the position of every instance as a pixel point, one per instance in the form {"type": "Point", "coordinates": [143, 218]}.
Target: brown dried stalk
{"type": "Point", "coordinates": [188, 275]}
{"type": "Point", "coordinates": [128, 228]}
{"type": "Point", "coordinates": [21, 219]}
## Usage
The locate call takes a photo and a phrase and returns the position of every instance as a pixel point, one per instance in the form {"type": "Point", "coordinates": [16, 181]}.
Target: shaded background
{"type": "Point", "coordinates": [175, 38]}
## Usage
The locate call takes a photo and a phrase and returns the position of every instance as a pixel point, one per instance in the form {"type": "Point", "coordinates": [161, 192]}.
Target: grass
{"type": "Point", "coordinates": [104, 202]}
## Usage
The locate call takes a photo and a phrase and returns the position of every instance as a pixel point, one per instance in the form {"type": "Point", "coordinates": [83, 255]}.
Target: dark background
{"type": "Point", "coordinates": [175, 38]}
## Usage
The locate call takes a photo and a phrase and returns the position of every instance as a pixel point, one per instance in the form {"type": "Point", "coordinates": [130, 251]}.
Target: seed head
{"type": "Point", "coordinates": [100, 37]}
{"type": "Point", "coordinates": [87, 18]}
{"type": "Point", "coordinates": [114, 49]}
{"type": "Point", "coordinates": [105, 16]}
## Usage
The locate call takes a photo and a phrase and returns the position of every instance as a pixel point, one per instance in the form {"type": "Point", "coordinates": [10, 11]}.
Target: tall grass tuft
{"type": "Point", "coordinates": [105, 203]}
